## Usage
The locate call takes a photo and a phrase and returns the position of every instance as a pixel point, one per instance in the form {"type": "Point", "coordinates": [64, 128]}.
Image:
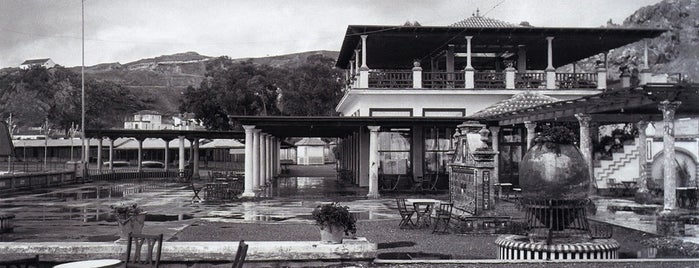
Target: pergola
{"type": "Point", "coordinates": [640, 105]}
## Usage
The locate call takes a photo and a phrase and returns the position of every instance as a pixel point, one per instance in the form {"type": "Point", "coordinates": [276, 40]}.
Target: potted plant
{"type": "Point", "coordinates": [130, 218]}
{"type": "Point", "coordinates": [334, 221]}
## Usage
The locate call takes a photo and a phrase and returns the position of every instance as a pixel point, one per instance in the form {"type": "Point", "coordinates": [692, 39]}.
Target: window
{"type": "Point", "coordinates": [394, 151]}
{"type": "Point", "coordinates": [390, 112]}
{"type": "Point", "coordinates": [434, 112]}
{"type": "Point", "coordinates": [438, 144]}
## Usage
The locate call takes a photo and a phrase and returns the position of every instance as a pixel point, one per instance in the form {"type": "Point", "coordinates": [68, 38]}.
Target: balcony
{"type": "Point", "coordinates": [508, 79]}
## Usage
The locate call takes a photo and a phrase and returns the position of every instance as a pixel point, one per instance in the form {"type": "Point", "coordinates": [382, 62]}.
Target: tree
{"type": "Point", "coordinates": [314, 88]}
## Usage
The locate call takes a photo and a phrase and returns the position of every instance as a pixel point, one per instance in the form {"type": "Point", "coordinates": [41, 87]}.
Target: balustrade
{"type": "Point", "coordinates": [482, 79]}
{"type": "Point", "coordinates": [576, 80]}
{"type": "Point", "coordinates": [443, 80]}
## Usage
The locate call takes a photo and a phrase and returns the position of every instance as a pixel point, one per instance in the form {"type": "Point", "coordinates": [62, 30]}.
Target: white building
{"type": "Point", "coordinates": [46, 63]}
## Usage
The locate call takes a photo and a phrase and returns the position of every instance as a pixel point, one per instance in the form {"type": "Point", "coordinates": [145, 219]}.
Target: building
{"type": "Point", "coordinates": [46, 63]}
{"type": "Point", "coordinates": [310, 151]}
{"type": "Point", "coordinates": [147, 120]}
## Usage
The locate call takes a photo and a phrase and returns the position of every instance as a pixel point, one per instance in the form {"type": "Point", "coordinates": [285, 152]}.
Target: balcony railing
{"type": "Point", "coordinates": [443, 80]}
{"type": "Point", "coordinates": [391, 79]}
{"type": "Point", "coordinates": [489, 80]}
{"type": "Point", "coordinates": [509, 79]}
{"type": "Point", "coordinates": [576, 80]}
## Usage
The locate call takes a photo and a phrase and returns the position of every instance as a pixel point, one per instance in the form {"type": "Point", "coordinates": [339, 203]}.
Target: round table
{"type": "Point", "coordinates": [91, 264]}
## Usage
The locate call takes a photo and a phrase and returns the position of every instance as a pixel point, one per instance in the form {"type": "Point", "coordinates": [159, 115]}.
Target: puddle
{"type": "Point", "coordinates": [412, 256]}
{"type": "Point", "coordinates": [164, 218]}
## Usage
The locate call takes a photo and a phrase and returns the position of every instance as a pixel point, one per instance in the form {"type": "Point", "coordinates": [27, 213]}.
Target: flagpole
{"type": "Point", "coordinates": [86, 147]}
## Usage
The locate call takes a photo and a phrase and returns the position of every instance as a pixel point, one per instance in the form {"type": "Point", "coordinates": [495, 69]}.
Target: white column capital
{"type": "Point", "coordinates": [248, 127]}
{"type": "Point", "coordinates": [374, 128]}
{"type": "Point", "coordinates": [584, 119]}
{"type": "Point", "coordinates": [494, 130]}
{"type": "Point", "coordinates": [669, 107]}
{"type": "Point", "coordinates": [549, 38]}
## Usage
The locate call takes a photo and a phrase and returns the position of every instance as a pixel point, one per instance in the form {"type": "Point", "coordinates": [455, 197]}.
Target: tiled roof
{"type": "Point", "coordinates": [148, 112]}
{"type": "Point", "coordinates": [477, 21]}
{"type": "Point", "coordinates": [35, 61]}
{"type": "Point", "coordinates": [516, 102]}
{"type": "Point", "coordinates": [310, 142]}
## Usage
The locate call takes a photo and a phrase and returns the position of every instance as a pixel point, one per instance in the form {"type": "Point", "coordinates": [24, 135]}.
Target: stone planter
{"type": "Point", "coordinates": [332, 234]}
{"type": "Point", "coordinates": [132, 225]}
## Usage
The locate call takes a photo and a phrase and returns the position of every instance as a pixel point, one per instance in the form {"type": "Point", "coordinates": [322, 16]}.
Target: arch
{"type": "Point", "coordinates": [686, 160]}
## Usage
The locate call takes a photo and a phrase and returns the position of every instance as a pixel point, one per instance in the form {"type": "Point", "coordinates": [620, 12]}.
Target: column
{"type": "Point", "coordinates": [364, 70]}
{"type": "Point", "coordinates": [601, 76]}
{"type": "Point", "coordinates": [550, 71]}
{"type": "Point", "coordinates": [450, 58]}
{"type": "Point", "coordinates": [495, 139]}
{"type": "Point", "coordinates": [268, 154]}
{"type": "Point", "coordinates": [180, 166]}
{"type": "Point", "coordinates": [531, 133]}
{"type": "Point", "coordinates": [248, 191]}
{"type": "Point", "coordinates": [195, 157]}
{"type": "Point", "coordinates": [167, 155]}
{"type": "Point", "coordinates": [642, 156]}
{"type": "Point", "coordinates": [586, 146]}
{"type": "Point", "coordinates": [521, 59]}
{"type": "Point", "coordinates": [263, 159]}
{"type": "Point", "coordinates": [468, 70]}
{"type": "Point", "coordinates": [373, 162]}
{"type": "Point", "coordinates": [670, 174]}
{"type": "Point", "coordinates": [99, 155]}
{"type": "Point", "coordinates": [279, 156]}
{"type": "Point", "coordinates": [111, 154]}
{"type": "Point", "coordinates": [256, 159]}
{"type": "Point", "coordinates": [510, 77]}
{"type": "Point", "coordinates": [140, 155]}
{"type": "Point", "coordinates": [644, 75]}
{"type": "Point", "coordinates": [417, 75]}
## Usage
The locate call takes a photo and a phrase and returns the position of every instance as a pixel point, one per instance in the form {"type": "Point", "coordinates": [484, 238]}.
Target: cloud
{"type": "Point", "coordinates": [129, 30]}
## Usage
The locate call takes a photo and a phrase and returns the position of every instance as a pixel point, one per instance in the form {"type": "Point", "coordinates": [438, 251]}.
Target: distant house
{"type": "Point", "coordinates": [46, 63]}
{"type": "Point", "coordinates": [146, 119]}
{"type": "Point", "coordinates": [310, 151]}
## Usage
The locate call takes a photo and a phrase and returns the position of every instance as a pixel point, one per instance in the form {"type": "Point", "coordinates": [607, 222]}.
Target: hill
{"type": "Point", "coordinates": [161, 80]}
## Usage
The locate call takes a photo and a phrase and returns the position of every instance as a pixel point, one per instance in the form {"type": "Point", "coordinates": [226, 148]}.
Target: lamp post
{"type": "Point", "coordinates": [46, 142]}
{"type": "Point", "coordinates": [86, 147]}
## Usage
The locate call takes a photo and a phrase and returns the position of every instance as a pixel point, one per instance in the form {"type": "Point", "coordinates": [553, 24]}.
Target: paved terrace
{"type": "Point", "coordinates": [79, 218]}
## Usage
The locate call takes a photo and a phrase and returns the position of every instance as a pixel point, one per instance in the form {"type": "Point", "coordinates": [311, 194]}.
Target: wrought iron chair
{"type": "Point", "coordinates": [405, 214]}
{"type": "Point", "coordinates": [240, 254]}
{"type": "Point", "coordinates": [20, 263]}
{"type": "Point", "coordinates": [196, 189]}
{"type": "Point", "coordinates": [136, 258]}
{"type": "Point", "coordinates": [443, 216]}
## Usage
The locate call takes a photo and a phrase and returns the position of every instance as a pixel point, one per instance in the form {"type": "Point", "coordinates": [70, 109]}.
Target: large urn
{"type": "Point", "coordinates": [554, 171]}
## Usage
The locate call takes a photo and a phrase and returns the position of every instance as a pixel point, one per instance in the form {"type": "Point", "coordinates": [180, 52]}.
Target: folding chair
{"type": "Point", "coordinates": [196, 190]}
{"type": "Point", "coordinates": [405, 214]}
{"type": "Point", "coordinates": [136, 259]}
{"type": "Point", "coordinates": [240, 254]}
{"type": "Point", "coordinates": [443, 216]}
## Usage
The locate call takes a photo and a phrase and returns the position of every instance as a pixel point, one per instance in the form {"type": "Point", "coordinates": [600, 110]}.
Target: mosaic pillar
{"type": "Point", "coordinates": [495, 131]}
{"type": "Point", "coordinates": [373, 162]}
{"type": "Point", "coordinates": [670, 174]}
{"type": "Point", "coordinates": [586, 146]}
{"type": "Point", "coordinates": [249, 185]}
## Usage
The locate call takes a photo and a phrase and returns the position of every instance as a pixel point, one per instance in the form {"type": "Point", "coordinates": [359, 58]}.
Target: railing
{"type": "Point", "coordinates": [443, 80]}
{"type": "Point", "coordinates": [131, 173]}
{"type": "Point", "coordinates": [530, 80]}
{"type": "Point", "coordinates": [35, 180]}
{"type": "Point", "coordinates": [391, 79]}
{"type": "Point", "coordinates": [489, 80]}
{"type": "Point", "coordinates": [576, 80]}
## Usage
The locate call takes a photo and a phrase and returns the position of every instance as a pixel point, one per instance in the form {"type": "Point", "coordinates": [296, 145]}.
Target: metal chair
{"type": "Point", "coordinates": [136, 258]}
{"type": "Point", "coordinates": [196, 189]}
{"type": "Point", "coordinates": [443, 216]}
{"type": "Point", "coordinates": [405, 214]}
{"type": "Point", "coordinates": [240, 254]}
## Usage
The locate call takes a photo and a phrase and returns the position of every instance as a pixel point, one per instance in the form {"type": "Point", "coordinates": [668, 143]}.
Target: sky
{"type": "Point", "coordinates": [129, 30]}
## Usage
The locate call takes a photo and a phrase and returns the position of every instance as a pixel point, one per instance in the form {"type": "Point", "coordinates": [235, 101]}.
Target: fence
{"type": "Point", "coordinates": [36, 180]}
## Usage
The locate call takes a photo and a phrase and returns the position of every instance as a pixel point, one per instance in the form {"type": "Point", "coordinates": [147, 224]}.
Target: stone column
{"type": "Point", "coordinates": [470, 73]}
{"type": "Point", "coordinates": [625, 78]}
{"type": "Point", "coordinates": [180, 167]}
{"type": "Point", "coordinates": [373, 162]}
{"type": "Point", "coordinates": [249, 185]}
{"type": "Point", "coordinates": [279, 156]}
{"type": "Point", "coordinates": [495, 139]}
{"type": "Point", "coordinates": [645, 74]}
{"type": "Point", "coordinates": [99, 155]}
{"type": "Point", "coordinates": [167, 154]}
{"type": "Point", "coordinates": [256, 159]}
{"type": "Point", "coordinates": [670, 174]}
{"type": "Point", "coordinates": [263, 159]}
{"type": "Point", "coordinates": [550, 71]}
{"type": "Point", "coordinates": [111, 154]}
{"type": "Point", "coordinates": [269, 160]}
{"type": "Point", "coordinates": [521, 59]}
{"type": "Point", "coordinates": [417, 75]}
{"type": "Point", "coordinates": [601, 77]}
{"type": "Point", "coordinates": [586, 146]}
{"type": "Point", "coordinates": [450, 59]}
{"type": "Point", "coordinates": [364, 70]}
{"type": "Point", "coordinates": [531, 133]}
{"type": "Point", "coordinates": [195, 159]}
{"type": "Point", "coordinates": [140, 155]}
{"type": "Point", "coordinates": [642, 156]}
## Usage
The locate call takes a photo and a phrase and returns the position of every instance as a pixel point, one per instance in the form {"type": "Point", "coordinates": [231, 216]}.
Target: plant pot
{"type": "Point", "coordinates": [133, 225]}
{"type": "Point", "coordinates": [332, 234]}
